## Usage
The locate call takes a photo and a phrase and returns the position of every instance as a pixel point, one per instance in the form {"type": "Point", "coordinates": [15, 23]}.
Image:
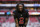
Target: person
{"type": "Point", "coordinates": [21, 15]}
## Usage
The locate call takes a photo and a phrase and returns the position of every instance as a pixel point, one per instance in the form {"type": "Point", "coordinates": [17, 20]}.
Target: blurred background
{"type": "Point", "coordinates": [8, 6]}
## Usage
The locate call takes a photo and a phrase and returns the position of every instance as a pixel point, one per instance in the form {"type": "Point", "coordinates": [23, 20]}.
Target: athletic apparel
{"type": "Point", "coordinates": [21, 16]}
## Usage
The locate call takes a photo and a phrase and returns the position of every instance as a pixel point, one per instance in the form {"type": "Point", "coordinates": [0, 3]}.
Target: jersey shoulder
{"type": "Point", "coordinates": [26, 10]}
{"type": "Point", "coordinates": [14, 11]}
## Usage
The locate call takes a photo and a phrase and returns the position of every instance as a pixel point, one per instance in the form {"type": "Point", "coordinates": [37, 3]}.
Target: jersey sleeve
{"type": "Point", "coordinates": [27, 14]}
{"type": "Point", "coordinates": [14, 14]}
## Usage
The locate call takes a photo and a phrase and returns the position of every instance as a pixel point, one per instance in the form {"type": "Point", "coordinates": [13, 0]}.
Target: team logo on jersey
{"type": "Point", "coordinates": [21, 20]}
{"type": "Point", "coordinates": [21, 14]}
